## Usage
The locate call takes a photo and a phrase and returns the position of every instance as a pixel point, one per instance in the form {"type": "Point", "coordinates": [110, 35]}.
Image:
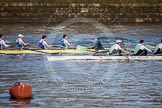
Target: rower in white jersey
{"type": "Point", "coordinates": [140, 49]}
{"type": "Point", "coordinates": [64, 42]}
{"type": "Point", "coordinates": [116, 49]}
{"type": "Point", "coordinates": [158, 48]}
{"type": "Point", "coordinates": [20, 43]}
{"type": "Point", "coordinates": [3, 44]}
{"type": "Point", "coordinates": [43, 44]}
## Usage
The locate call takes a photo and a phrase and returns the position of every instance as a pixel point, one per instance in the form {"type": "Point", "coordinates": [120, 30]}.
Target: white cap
{"type": "Point", "coordinates": [95, 40]}
{"type": "Point", "coordinates": [118, 41]}
{"type": "Point", "coordinates": [20, 35]}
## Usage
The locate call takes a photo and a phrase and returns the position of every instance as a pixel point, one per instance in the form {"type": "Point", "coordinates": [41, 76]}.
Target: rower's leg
{"type": "Point", "coordinates": [158, 51]}
{"type": "Point", "coordinates": [139, 53]}
{"type": "Point", "coordinates": [120, 53]}
{"type": "Point", "coordinates": [115, 52]}
{"type": "Point", "coordinates": [145, 52]}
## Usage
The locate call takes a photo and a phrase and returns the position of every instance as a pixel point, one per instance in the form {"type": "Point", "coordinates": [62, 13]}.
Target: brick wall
{"type": "Point", "coordinates": [56, 11]}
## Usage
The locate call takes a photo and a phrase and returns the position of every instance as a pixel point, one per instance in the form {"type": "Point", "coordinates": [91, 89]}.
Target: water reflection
{"type": "Point", "coordinates": [20, 103]}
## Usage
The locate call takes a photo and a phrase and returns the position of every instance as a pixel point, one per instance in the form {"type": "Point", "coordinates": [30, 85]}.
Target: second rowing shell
{"type": "Point", "coordinates": [58, 58]}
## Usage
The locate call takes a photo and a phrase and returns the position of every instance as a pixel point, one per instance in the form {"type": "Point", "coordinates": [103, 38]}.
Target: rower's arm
{"type": "Point", "coordinates": [67, 43]}
{"type": "Point", "coordinates": [47, 45]}
{"type": "Point", "coordinates": [3, 43]}
{"type": "Point", "coordinates": [24, 44]}
{"type": "Point", "coordinates": [38, 45]}
{"type": "Point", "coordinates": [123, 51]}
{"type": "Point", "coordinates": [148, 49]}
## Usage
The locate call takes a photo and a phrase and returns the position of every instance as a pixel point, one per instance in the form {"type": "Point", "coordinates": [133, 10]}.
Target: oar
{"type": "Point", "coordinates": [150, 47]}
{"type": "Point", "coordinates": [36, 49]}
{"type": "Point", "coordinates": [130, 49]}
{"type": "Point", "coordinates": [91, 49]}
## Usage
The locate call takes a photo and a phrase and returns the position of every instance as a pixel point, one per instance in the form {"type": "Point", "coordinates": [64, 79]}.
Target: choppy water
{"type": "Point", "coordinates": [84, 83]}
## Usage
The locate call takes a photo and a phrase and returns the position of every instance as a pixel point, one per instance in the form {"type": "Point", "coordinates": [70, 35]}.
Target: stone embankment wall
{"type": "Point", "coordinates": [105, 11]}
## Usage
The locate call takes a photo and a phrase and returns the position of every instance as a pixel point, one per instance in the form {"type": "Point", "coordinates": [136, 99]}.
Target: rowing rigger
{"type": "Point", "coordinates": [59, 58]}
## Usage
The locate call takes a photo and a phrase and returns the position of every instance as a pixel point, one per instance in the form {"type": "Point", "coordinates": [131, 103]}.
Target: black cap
{"type": "Point", "coordinates": [141, 41]}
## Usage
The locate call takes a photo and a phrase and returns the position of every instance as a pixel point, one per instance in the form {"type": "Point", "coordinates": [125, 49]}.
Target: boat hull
{"type": "Point", "coordinates": [55, 51]}
{"type": "Point", "coordinates": [57, 58]}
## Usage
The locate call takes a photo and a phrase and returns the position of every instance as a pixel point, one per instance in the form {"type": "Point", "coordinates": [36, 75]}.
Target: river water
{"type": "Point", "coordinates": [82, 83]}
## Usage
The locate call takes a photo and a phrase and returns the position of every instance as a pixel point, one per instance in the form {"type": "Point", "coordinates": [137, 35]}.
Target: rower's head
{"type": "Point", "coordinates": [142, 41]}
{"type": "Point", "coordinates": [95, 40]}
{"type": "Point", "coordinates": [64, 36]}
{"type": "Point", "coordinates": [20, 36]}
{"type": "Point", "coordinates": [118, 41]}
{"type": "Point", "coordinates": [1, 36]}
{"type": "Point", "coordinates": [44, 37]}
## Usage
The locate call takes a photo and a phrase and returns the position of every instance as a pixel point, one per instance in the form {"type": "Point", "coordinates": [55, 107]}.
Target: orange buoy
{"type": "Point", "coordinates": [21, 91]}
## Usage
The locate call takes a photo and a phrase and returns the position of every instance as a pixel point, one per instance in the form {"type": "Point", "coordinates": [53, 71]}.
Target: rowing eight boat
{"type": "Point", "coordinates": [78, 50]}
{"type": "Point", "coordinates": [58, 58]}
{"type": "Point", "coordinates": [66, 51]}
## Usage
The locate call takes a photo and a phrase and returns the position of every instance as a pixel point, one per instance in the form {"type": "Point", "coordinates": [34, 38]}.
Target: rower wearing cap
{"type": "Point", "coordinates": [64, 42]}
{"type": "Point", "coordinates": [158, 48]}
{"type": "Point", "coordinates": [98, 45]}
{"type": "Point", "coordinates": [3, 44]}
{"type": "Point", "coordinates": [140, 49]}
{"type": "Point", "coordinates": [20, 43]}
{"type": "Point", "coordinates": [43, 44]}
{"type": "Point", "coordinates": [116, 49]}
